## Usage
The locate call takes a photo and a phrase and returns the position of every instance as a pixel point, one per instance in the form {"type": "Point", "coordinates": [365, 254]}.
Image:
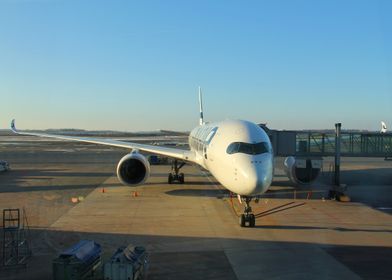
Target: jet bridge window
{"type": "Point", "coordinates": [247, 148]}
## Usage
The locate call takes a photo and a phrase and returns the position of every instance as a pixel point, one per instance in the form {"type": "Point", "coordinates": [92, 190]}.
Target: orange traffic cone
{"type": "Point", "coordinates": [103, 190]}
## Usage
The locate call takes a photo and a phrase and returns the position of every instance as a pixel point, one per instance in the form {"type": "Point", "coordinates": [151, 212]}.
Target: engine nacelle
{"type": "Point", "coordinates": [302, 171]}
{"type": "Point", "coordinates": [133, 169]}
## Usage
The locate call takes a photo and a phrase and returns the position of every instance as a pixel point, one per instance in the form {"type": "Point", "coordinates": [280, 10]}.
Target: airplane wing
{"type": "Point", "coordinates": [164, 151]}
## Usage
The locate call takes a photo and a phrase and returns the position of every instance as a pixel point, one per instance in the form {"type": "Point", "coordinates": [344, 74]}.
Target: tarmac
{"type": "Point", "coordinates": [191, 231]}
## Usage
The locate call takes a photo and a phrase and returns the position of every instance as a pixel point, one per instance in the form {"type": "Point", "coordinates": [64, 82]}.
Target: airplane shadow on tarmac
{"type": "Point", "coordinates": [49, 188]}
{"type": "Point", "coordinates": [199, 192]}
{"type": "Point", "coordinates": [27, 180]}
{"type": "Point", "coordinates": [15, 180]}
{"type": "Point", "coordinates": [50, 173]}
{"type": "Point", "coordinates": [318, 228]}
{"type": "Point", "coordinates": [219, 193]}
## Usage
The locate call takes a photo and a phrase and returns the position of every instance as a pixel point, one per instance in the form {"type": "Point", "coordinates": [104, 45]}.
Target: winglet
{"type": "Point", "coordinates": [13, 128]}
{"type": "Point", "coordinates": [383, 127]}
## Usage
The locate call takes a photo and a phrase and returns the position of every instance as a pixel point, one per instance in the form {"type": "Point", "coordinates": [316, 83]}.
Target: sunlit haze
{"type": "Point", "coordinates": [137, 65]}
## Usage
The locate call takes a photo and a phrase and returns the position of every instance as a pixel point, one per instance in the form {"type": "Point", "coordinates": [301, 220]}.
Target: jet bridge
{"type": "Point", "coordinates": [304, 150]}
{"type": "Point", "coordinates": [353, 144]}
{"type": "Point", "coordinates": [322, 143]}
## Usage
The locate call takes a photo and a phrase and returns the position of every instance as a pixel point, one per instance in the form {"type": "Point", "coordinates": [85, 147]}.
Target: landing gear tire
{"type": "Point", "coordinates": [181, 178]}
{"type": "Point", "coordinates": [242, 220]}
{"type": "Point", "coordinates": [247, 218]}
{"type": "Point", "coordinates": [174, 176]}
{"type": "Point", "coordinates": [252, 220]}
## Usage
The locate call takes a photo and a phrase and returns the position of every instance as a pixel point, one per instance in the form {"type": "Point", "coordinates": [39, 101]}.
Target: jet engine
{"type": "Point", "coordinates": [302, 171]}
{"type": "Point", "coordinates": [133, 169]}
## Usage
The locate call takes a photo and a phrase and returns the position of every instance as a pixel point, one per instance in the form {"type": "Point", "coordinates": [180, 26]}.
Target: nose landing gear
{"type": "Point", "coordinates": [175, 176]}
{"type": "Point", "coordinates": [247, 218]}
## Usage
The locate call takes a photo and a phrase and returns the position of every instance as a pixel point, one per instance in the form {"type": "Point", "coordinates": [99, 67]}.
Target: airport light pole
{"type": "Point", "coordinates": [338, 127]}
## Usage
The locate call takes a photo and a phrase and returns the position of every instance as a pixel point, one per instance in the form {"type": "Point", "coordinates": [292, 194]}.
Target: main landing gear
{"type": "Point", "coordinates": [174, 176]}
{"type": "Point", "coordinates": [247, 218]}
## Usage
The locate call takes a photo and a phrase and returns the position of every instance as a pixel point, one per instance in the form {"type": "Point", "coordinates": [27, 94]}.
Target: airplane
{"type": "Point", "coordinates": [237, 153]}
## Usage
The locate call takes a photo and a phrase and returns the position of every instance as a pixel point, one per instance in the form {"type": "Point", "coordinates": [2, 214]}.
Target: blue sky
{"type": "Point", "coordinates": [136, 65]}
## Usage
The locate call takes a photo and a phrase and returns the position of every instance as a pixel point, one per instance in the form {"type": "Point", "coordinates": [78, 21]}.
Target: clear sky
{"type": "Point", "coordinates": [136, 65]}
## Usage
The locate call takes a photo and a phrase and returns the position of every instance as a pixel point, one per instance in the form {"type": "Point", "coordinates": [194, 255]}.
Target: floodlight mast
{"type": "Point", "coordinates": [201, 120]}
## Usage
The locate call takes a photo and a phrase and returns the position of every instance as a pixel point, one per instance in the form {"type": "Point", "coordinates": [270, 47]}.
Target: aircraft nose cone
{"type": "Point", "coordinates": [258, 181]}
{"type": "Point", "coordinates": [256, 177]}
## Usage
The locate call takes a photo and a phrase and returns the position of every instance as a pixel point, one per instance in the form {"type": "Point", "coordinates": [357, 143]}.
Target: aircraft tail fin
{"type": "Point", "coordinates": [201, 121]}
{"type": "Point", "coordinates": [13, 127]}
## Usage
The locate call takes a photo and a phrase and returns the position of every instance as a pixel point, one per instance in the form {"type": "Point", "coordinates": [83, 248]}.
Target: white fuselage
{"type": "Point", "coordinates": [237, 153]}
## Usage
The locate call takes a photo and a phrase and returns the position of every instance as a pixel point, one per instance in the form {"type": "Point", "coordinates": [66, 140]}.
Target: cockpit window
{"type": "Point", "coordinates": [247, 148]}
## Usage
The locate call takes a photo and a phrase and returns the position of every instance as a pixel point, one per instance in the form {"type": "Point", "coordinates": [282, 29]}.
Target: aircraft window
{"type": "Point", "coordinates": [211, 135]}
{"type": "Point", "coordinates": [205, 132]}
{"type": "Point", "coordinates": [202, 136]}
{"type": "Point", "coordinates": [247, 148]}
{"type": "Point", "coordinates": [197, 133]}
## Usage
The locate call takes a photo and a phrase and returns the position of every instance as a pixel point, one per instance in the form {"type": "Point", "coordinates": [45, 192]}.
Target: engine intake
{"type": "Point", "coordinates": [133, 169]}
{"type": "Point", "coordinates": [302, 171]}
